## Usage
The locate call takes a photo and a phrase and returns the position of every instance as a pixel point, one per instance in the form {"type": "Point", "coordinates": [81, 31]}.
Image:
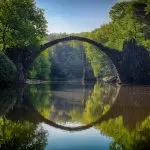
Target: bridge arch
{"type": "Point", "coordinates": [132, 63]}
{"type": "Point", "coordinates": [112, 54]}
{"type": "Point", "coordinates": [25, 56]}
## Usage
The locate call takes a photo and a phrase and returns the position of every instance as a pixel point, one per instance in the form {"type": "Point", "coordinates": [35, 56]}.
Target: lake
{"type": "Point", "coordinates": [75, 116]}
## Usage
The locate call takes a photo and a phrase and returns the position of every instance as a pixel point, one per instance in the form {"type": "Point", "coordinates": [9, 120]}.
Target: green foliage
{"type": "Point", "coordinates": [72, 55]}
{"type": "Point", "coordinates": [41, 68]}
{"type": "Point", "coordinates": [96, 104]}
{"type": "Point", "coordinates": [126, 119]}
{"type": "Point", "coordinates": [118, 124]}
{"type": "Point", "coordinates": [21, 23]}
{"type": "Point", "coordinates": [21, 135]}
{"type": "Point", "coordinates": [40, 95]}
{"type": "Point", "coordinates": [67, 61]}
{"type": "Point", "coordinates": [101, 64]}
{"type": "Point", "coordinates": [124, 138]}
{"type": "Point", "coordinates": [124, 26]}
{"type": "Point", "coordinates": [7, 69]}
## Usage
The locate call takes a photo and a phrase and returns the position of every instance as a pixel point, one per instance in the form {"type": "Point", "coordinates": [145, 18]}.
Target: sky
{"type": "Point", "coordinates": [74, 16]}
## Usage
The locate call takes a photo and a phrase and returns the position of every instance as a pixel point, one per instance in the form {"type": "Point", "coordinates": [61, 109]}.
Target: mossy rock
{"type": "Point", "coordinates": [7, 69]}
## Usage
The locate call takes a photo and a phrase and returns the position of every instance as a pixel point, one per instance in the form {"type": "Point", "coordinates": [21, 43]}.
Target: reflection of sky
{"type": "Point", "coordinates": [70, 124]}
{"type": "Point", "coordinates": [75, 15]}
{"type": "Point", "coordinates": [89, 139]}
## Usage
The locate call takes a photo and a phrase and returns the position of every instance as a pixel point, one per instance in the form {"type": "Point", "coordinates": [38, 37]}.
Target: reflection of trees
{"type": "Point", "coordinates": [83, 104]}
{"type": "Point", "coordinates": [128, 120]}
{"type": "Point", "coordinates": [68, 99]}
{"type": "Point", "coordinates": [39, 96]}
{"type": "Point", "coordinates": [78, 103]}
{"type": "Point", "coordinates": [99, 102]}
{"type": "Point", "coordinates": [124, 138]}
{"type": "Point", "coordinates": [21, 135]}
{"type": "Point", "coordinates": [17, 134]}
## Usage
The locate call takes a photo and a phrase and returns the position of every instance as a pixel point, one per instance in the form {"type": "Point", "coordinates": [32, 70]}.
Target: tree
{"type": "Point", "coordinates": [21, 23]}
{"type": "Point", "coordinates": [41, 68]}
{"type": "Point", "coordinates": [128, 20]}
{"type": "Point", "coordinates": [21, 135]}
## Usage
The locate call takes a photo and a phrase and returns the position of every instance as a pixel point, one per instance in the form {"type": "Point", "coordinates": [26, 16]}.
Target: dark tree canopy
{"type": "Point", "coordinates": [21, 23]}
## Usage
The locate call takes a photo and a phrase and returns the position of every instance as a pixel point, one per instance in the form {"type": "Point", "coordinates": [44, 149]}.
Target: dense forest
{"type": "Point", "coordinates": [25, 25]}
{"type": "Point", "coordinates": [128, 20]}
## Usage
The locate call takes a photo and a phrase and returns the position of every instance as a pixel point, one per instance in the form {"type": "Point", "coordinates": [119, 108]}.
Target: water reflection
{"type": "Point", "coordinates": [130, 117]}
{"type": "Point", "coordinates": [18, 134]}
{"type": "Point", "coordinates": [104, 110]}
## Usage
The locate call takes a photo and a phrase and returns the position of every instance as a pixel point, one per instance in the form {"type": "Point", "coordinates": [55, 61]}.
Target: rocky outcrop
{"type": "Point", "coordinates": [134, 66]}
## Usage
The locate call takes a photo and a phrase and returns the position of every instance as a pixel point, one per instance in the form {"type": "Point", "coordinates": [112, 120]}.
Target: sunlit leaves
{"type": "Point", "coordinates": [21, 135]}
{"type": "Point", "coordinates": [21, 23]}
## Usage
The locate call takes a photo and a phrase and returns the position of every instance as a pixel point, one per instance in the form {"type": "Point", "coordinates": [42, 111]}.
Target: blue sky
{"type": "Point", "coordinates": [75, 15]}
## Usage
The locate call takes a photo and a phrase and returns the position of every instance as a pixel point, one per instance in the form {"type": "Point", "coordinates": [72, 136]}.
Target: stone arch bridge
{"type": "Point", "coordinates": [132, 63]}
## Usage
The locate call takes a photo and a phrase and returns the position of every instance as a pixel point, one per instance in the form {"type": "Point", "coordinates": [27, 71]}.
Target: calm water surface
{"type": "Point", "coordinates": [75, 116]}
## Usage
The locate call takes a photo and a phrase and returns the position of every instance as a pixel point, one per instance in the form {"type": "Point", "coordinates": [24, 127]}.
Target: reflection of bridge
{"type": "Point", "coordinates": [32, 115]}
{"type": "Point", "coordinates": [132, 103]}
{"type": "Point", "coordinates": [132, 63]}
